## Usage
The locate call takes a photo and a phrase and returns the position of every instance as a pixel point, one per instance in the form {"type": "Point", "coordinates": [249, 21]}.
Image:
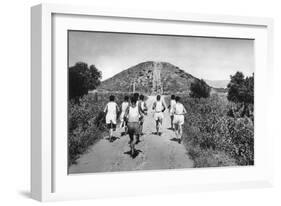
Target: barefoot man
{"type": "Point", "coordinates": [158, 107]}
{"type": "Point", "coordinates": [179, 112]}
{"type": "Point", "coordinates": [133, 114]}
{"type": "Point", "coordinates": [124, 107]}
{"type": "Point", "coordinates": [171, 107]}
{"type": "Point", "coordinates": [143, 108]}
{"type": "Point", "coordinates": [111, 109]}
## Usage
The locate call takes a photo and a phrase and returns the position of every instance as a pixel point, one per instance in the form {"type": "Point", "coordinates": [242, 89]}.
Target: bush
{"type": "Point", "coordinates": [213, 138]}
{"type": "Point", "coordinates": [210, 158]}
{"type": "Point", "coordinates": [86, 122]}
{"type": "Point", "coordinates": [199, 89]}
{"type": "Point", "coordinates": [241, 89]}
{"type": "Point", "coordinates": [82, 79]}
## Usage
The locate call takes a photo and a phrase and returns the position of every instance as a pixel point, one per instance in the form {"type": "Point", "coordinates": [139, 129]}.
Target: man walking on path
{"type": "Point", "coordinates": [179, 111]}
{"type": "Point", "coordinates": [152, 154]}
{"type": "Point", "coordinates": [143, 108]}
{"type": "Point", "coordinates": [171, 107]}
{"type": "Point", "coordinates": [158, 107]}
{"type": "Point", "coordinates": [133, 114]}
{"type": "Point", "coordinates": [136, 97]}
{"type": "Point", "coordinates": [124, 107]}
{"type": "Point", "coordinates": [111, 109]}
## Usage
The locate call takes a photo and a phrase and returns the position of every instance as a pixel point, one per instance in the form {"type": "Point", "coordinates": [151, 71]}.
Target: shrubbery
{"type": "Point", "coordinates": [82, 79]}
{"type": "Point", "coordinates": [241, 89]}
{"type": "Point", "coordinates": [241, 93]}
{"type": "Point", "coordinates": [86, 122]}
{"type": "Point", "coordinates": [199, 89]}
{"type": "Point", "coordinates": [212, 137]}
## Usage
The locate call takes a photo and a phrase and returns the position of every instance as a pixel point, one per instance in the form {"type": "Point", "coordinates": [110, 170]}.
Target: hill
{"type": "Point", "coordinates": [150, 78]}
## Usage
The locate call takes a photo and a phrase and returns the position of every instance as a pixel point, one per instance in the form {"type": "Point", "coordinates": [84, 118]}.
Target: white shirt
{"type": "Point", "coordinates": [158, 106]}
{"type": "Point", "coordinates": [172, 104]}
{"type": "Point", "coordinates": [111, 108]}
{"type": "Point", "coordinates": [133, 114]}
{"type": "Point", "coordinates": [124, 106]}
{"type": "Point", "coordinates": [179, 109]}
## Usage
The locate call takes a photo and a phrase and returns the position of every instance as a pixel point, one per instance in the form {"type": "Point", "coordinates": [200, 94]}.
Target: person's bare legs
{"type": "Point", "coordinates": [126, 129]}
{"type": "Point", "coordinates": [141, 128]}
{"type": "Point", "coordinates": [172, 119]}
{"type": "Point", "coordinates": [176, 126]}
{"type": "Point", "coordinates": [180, 133]}
{"type": "Point", "coordinates": [110, 133]}
{"type": "Point", "coordinates": [159, 126]}
{"type": "Point", "coordinates": [132, 144]}
{"type": "Point", "coordinates": [121, 124]}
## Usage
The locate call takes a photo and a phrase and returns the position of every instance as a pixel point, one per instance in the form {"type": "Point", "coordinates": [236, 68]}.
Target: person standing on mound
{"type": "Point", "coordinates": [158, 107]}
{"type": "Point", "coordinates": [179, 112]}
{"type": "Point", "coordinates": [111, 110]}
{"type": "Point", "coordinates": [132, 115]}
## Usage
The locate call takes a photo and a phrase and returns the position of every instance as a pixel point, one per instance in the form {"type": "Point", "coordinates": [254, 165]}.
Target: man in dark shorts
{"type": "Point", "coordinates": [133, 114]}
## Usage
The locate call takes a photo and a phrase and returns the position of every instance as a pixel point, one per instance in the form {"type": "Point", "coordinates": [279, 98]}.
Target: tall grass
{"type": "Point", "coordinates": [86, 122]}
{"type": "Point", "coordinates": [212, 137]}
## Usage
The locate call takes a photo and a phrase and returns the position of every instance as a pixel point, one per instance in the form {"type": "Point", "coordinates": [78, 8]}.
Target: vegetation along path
{"type": "Point", "coordinates": [153, 152]}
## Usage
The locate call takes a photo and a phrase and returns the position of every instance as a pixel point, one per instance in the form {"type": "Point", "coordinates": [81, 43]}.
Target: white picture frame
{"type": "Point", "coordinates": [49, 179]}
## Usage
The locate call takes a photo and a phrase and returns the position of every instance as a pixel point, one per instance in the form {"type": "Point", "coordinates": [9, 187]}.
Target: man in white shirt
{"type": "Point", "coordinates": [124, 107]}
{"type": "Point", "coordinates": [111, 109]}
{"type": "Point", "coordinates": [133, 114]}
{"type": "Point", "coordinates": [136, 97]}
{"type": "Point", "coordinates": [143, 108]}
{"type": "Point", "coordinates": [158, 107]}
{"type": "Point", "coordinates": [179, 111]}
{"type": "Point", "coordinates": [171, 107]}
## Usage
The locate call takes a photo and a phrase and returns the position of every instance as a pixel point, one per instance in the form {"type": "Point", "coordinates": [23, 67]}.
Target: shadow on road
{"type": "Point", "coordinates": [113, 138]}
{"type": "Point", "coordinates": [137, 152]}
{"type": "Point", "coordinates": [155, 133]}
{"type": "Point", "coordinates": [123, 134]}
{"type": "Point", "coordinates": [175, 140]}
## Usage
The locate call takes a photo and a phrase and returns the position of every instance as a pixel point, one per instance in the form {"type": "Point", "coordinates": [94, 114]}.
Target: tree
{"type": "Point", "coordinates": [199, 89]}
{"type": "Point", "coordinates": [249, 82]}
{"type": "Point", "coordinates": [94, 77]}
{"type": "Point", "coordinates": [241, 89]}
{"type": "Point", "coordinates": [82, 79]}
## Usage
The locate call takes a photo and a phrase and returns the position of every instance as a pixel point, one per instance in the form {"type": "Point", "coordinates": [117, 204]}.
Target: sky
{"type": "Point", "coordinates": [202, 57]}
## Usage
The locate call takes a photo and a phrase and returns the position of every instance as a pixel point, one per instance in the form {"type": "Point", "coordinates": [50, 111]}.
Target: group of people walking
{"type": "Point", "coordinates": [134, 109]}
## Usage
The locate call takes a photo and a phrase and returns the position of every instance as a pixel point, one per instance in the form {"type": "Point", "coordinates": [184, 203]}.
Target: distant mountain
{"type": "Point", "coordinates": [150, 78]}
{"type": "Point", "coordinates": [217, 83]}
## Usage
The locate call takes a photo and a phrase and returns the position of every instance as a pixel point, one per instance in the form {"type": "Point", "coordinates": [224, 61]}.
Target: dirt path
{"type": "Point", "coordinates": [154, 152]}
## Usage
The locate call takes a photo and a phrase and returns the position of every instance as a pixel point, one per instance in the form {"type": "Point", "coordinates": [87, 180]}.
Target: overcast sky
{"type": "Point", "coordinates": [207, 58]}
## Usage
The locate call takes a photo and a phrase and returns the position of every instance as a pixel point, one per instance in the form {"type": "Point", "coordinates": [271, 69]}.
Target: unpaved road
{"type": "Point", "coordinates": [154, 152]}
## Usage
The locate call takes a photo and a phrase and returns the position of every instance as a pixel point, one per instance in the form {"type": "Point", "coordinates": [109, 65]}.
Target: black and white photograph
{"type": "Point", "coordinates": [156, 102]}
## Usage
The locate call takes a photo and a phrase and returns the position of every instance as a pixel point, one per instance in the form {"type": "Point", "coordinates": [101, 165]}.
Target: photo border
{"type": "Point", "coordinates": [43, 88]}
